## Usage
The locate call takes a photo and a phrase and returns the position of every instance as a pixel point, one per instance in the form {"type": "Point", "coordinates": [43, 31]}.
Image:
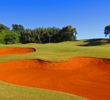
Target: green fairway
{"type": "Point", "coordinates": [59, 51]}
{"type": "Point", "coordinates": [50, 52]}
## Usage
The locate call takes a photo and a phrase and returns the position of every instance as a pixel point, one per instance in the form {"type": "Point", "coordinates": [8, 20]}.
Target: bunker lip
{"type": "Point", "coordinates": [16, 50]}
{"type": "Point", "coordinates": [87, 77]}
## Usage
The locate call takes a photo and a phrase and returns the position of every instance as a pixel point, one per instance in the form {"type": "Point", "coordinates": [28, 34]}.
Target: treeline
{"type": "Point", "coordinates": [39, 35]}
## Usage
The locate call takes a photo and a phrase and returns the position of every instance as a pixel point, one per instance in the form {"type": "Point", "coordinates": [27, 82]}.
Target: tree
{"type": "Point", "coordinates": [11, 38]}
{"type": "Point", "coordinates": [25, 36]}
{"type": "Point", "coordinates": [70, 30]}
{"type": "Point", "coordinates": [21, 28]}
{"type": "Point", "coordinates": [17, 28]}
{"type": "Point", "coordinates": [67, 33]}
{"type": "Point", "coordinates": [74, 32]}
{"type": "Point", "coordinates": [107, 31]}
{"type": "Point", "coordinates": [4, 28]}
{"type": "Point", "coordinates": [2, 36]}
{"type": "Point", "coordinates": [38, 35]}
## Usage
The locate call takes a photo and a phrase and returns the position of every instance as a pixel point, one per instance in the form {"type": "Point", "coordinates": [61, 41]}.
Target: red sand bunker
{"type": "Point", "coordinates": [87, 77]}
{"type": "Point", "coordinates": [15, 50]}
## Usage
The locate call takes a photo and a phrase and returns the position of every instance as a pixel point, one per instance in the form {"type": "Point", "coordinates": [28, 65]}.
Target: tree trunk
{"type": "Point", "coordinates": [75, 36]}
{"type": "Point", "coordinates": [49, 40]}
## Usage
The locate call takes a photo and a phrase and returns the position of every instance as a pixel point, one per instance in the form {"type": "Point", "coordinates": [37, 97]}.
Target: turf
{"type": "Point", "coordinates": [60, 51]}
{"type": "Point", "coordinates": [13, 92]}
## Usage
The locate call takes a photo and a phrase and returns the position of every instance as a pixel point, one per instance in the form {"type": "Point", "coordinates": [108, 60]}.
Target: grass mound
{"type": "Point", "coordinates": [95, 42]}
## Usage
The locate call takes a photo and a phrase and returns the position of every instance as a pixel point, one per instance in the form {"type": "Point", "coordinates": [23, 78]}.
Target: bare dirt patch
{"type": "Point", "coordinates": [87, 77]}
{"type": "Point", "coordinates": [15, 50]}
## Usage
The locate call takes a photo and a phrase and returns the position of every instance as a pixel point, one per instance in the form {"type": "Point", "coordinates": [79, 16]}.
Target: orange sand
{"type": "Point", "coordinates": [15, 50]}
{"type": "Point", "coordinates": [87, 77]}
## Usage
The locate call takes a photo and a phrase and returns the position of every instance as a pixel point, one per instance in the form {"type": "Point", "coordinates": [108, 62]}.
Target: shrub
{"type": "Point", "coordinates": [11, 38]}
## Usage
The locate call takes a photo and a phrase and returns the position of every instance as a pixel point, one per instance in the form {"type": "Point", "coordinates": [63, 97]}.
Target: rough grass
{"type": "Point", "coordinates": [13, 92]}
{"type": "Point", "coordinates": [51, 52]}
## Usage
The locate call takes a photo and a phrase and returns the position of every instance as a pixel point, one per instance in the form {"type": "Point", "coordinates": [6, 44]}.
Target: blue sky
{"type": "Point", "coordinates": [88, 16]}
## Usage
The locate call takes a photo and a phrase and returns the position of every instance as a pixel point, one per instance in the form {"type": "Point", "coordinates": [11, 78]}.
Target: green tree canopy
{"type": "Point", "coordinates": [38, 35]}
{"type": "Point", "coordinates": [8, 37]}
{"type": "Point", "coordinates": [107, 30]}
{"type": "Point", "coordinates": [11, 38]}
{"type": "Point", "coordinates": [70, 30]}
{"type": "Point", "coordinates": [4, 28]}
{"type": "Point", "coordinates": [17, 28]}
{"type": "Point", "coordinates": [67, 33]}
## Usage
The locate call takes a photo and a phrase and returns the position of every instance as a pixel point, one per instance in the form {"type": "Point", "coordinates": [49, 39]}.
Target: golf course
{"type": "Point", "coordinates": [70, 70]}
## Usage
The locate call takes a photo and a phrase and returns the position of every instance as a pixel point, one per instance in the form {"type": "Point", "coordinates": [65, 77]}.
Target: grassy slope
{"type": "Point", "coordinates": [13, 92]}
{"type": "Point", "coordinates": [50, 52]}
{"type": "Point", "coordinates": [59, 51]}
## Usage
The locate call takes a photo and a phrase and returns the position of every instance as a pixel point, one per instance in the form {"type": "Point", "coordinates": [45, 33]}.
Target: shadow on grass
{"type": "Point", "coordinates": [96, 42]}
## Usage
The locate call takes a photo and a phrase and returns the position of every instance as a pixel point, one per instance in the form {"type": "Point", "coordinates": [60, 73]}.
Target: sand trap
{"type": "Point", "coordinates": [15, 50]}
{"type": "Point", "coordinates": [87, 77]}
